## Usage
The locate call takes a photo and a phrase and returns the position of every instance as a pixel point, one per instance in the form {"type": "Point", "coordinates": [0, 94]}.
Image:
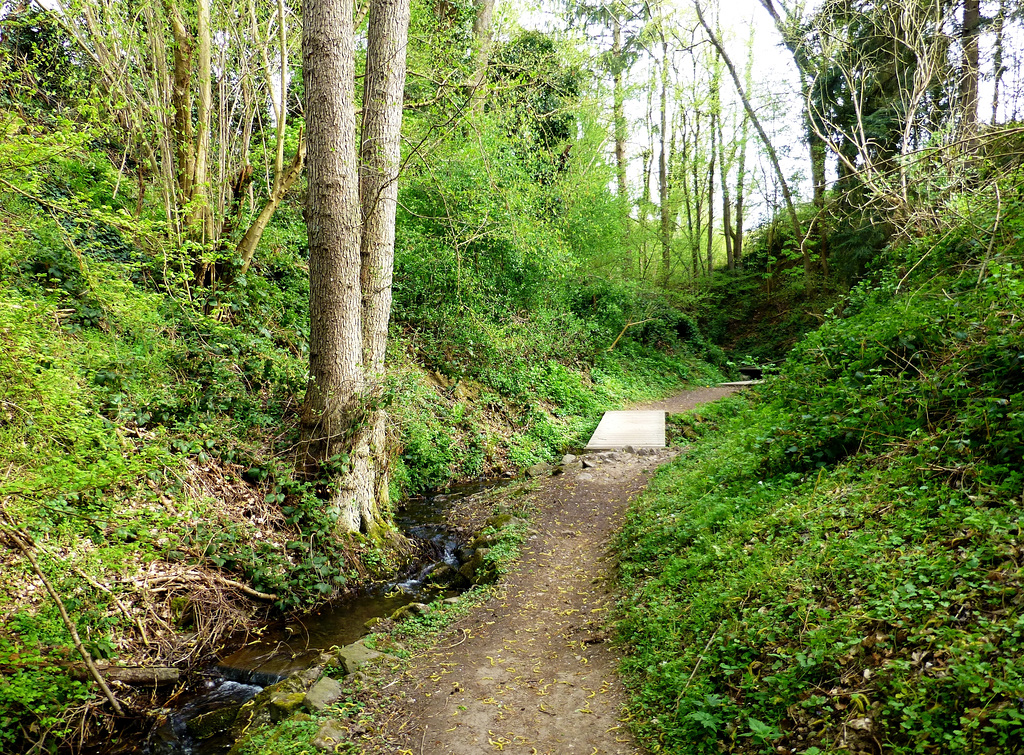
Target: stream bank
{"type": "Point", "coordinates": [199, 718]}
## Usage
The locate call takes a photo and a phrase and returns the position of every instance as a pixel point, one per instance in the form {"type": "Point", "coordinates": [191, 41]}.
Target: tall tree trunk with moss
{"type": "Point", "coordinates": [332, 411]}
{"type": "Point", "coordinates": [181, 99]}
{"type": "Point", "coordinates": [387, 39]}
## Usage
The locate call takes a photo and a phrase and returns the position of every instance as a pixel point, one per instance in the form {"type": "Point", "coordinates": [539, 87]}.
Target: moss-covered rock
{"type": "Point", "coordinates": [215, 722]}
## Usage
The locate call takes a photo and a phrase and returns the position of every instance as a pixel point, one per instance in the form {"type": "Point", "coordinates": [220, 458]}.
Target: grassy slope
{"type": "Point", "coordinates": [837, 564]}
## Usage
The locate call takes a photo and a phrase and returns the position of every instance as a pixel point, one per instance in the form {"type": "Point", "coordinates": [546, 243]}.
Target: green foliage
{"type": "Point", "coordinates": [835, 564]}
{"type": "Point", "coordinates": [147, 417]}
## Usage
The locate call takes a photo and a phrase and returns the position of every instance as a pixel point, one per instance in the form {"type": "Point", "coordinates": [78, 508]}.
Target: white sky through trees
{"type": "Point", "coordinates": [775, 84]}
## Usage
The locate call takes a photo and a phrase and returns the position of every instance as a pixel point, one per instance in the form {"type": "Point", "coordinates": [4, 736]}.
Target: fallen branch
{"type": "Point", "coordinates": [198, 577]}
{"type": "Point", "coordinates": [134, 675]}
{"type": "Point", "coordinates": [24, 543]}
{"type": "Point", "coordinates": [629, 325]}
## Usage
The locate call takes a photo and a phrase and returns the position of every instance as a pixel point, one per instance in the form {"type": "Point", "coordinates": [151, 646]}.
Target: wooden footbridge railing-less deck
{"type": "Point", "coordinates": [640, 429]}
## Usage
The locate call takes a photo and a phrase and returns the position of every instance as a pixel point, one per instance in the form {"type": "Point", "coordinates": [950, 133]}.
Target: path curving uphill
{"type": "Point", "coordinates": [532, 670]}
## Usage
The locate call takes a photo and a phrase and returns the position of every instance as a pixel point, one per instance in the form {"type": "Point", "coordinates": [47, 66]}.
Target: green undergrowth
{"type": "Point", "coordinates": [836, 564]}
{"type": "Point", "coordinates": [148, 426]}
{"type": "Point", "coordinates": [150, 390]}
{"type": "Point", "coordinates": [464, 428]}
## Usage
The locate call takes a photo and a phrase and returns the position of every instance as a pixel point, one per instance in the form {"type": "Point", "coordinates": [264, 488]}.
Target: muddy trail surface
{"type": "Point", "coordinates": [532, 670]}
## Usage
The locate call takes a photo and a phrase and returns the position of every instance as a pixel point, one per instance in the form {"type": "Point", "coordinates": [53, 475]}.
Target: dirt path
{"type": "Point", "coordinates": [532, 671]}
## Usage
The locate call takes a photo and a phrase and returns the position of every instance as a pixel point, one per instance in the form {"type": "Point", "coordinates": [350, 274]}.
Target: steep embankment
{"type": "Point", "coordinates": [837, 566]}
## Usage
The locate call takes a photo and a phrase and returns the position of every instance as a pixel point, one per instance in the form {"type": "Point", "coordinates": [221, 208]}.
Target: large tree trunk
{"type": "Point", "coordinates": [332, 411]}
{"type": "Point", "coordinates": [387, 39]}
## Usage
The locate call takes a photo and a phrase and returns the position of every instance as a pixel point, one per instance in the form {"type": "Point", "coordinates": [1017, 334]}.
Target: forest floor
{"type": "Point", "coordinates": [532, 670]}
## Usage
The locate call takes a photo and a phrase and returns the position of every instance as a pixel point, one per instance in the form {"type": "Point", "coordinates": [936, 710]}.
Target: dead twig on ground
{"type": "Point", "coordinates": [25, 544]}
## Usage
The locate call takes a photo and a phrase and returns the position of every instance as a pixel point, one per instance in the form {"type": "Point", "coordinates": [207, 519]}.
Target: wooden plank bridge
{"type": "Point", "coordinates": [639, 429]}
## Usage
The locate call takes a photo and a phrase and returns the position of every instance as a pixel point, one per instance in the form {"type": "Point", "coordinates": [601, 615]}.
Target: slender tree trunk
{"type": "Point", "coordinates": [817, 150]}
{"type": "Point", "coordinates": [998, 69]}
{"type": "Point", "coordinates": [619, 117]}
{"type": "Point", "coordinates": [250, 115]}
{"type": "Point", "coordinates": [726, 200]}
{"type": "Point", "coordinates": [698, 204]}
{"type": "Point", "coordinates": [741, 187]}
{"type": "Point", "coordinates": [815, 145]}
{"type": "Point", "coordinates": [663, 188]}
{"type": "Point", "coordinates": [281, 107]}
{"type": "Point", "coordinates": [618, 108]}
{"type": "Point", "coordinates": [284, 178]}
{"type": "Point", "coordinates": [202, 219]}
{"type": "Point", "coordinates": [741, 165]}
{"type": "Point", "coordinates": [711, 201]}
{"type": "Point", "coordinates": [246, 247]}
{"type": "Point", "coordinates": [969, 73]}
{"type": "Point", "coordinates": [332, 411]}
{"type": "Point", "coordinates": [689, 202]}
{"type": "Point", "coordinates": [387, 40]}
{"type": "Point", "coordinates": [482, 23]}
{"type": "Point", "coordinates": [163, 92]}
{"type": "Point", "coordinates": [181, 99]}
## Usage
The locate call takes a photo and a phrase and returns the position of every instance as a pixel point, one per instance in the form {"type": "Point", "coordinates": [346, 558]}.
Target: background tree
{"type": "Point", "coordinates": [787, 194]}
{"type": "Point", "coordinates": [182, 115]}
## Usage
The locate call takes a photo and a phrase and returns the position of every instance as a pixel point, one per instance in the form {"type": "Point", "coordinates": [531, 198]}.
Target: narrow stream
{"type": "Point", "coordinates": [284, 649]}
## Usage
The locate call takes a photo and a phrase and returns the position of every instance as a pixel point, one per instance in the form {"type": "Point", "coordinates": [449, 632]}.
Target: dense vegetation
{"type": "Point", "coordinates": [836, 564]}
{"type": "Point", "coordinates": [150, 381]}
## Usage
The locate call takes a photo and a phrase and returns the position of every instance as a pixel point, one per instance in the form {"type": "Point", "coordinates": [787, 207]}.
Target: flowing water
{"type": "Point", "coordinates": [283, 649]}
